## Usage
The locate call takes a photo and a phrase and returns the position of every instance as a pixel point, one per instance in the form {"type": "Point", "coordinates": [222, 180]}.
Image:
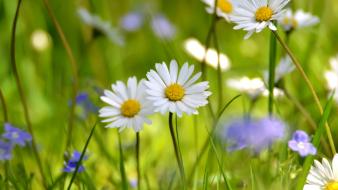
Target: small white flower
{"type": "Point", "coordinates": [255, 15]}
{"type": "Point", "coordinates": [128, 106]}
{"type": "Point", "coordinates": [224, 7]}
{"type": "Point", "coordinates": [290, 21]}
{"type": "Point", "coordinates": [252, 87]}
{"type": "Point", "coordinates": [284, 67]}
{"type": "Point", "coordinates": [198, 51]}
{"type": "Point", "coordinates": [105, 27]}
{"type": "Point", "coordinates": [323, 176]}
{"type": "Point", "coordinates": [332, 77]}
{"type": "Point", "coordinates": [162, 27]}
{"type": "Point", "coordinates": [174, 90]}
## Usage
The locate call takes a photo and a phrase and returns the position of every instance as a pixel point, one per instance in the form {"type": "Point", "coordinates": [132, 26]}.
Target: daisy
{"type": "Point", "coordinates": [290, 21]}
{"type": "Point", "coordinates": [323, 176]}
{"type": "Point", "coordinates": [255, 15]}
{"type": "Point", "coordinates": [224, 7]}
{"type": "Point", "coordinates": [127, 107]}
{"type": "Point", "coordinates": [174, 90]}
{"type": "Point", "coordinates": [332, 76]}
{"type": "Point", "coordinates": [194, 48]}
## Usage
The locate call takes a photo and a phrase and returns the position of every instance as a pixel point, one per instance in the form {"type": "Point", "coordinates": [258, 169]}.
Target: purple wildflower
{"type": "Point", "coordinates": [5, 150]}
{"type": "Point", "coordinates": [16, 136]}
{"type": "Point", "coordinates": [162, 27]}
{"type": "Point", "coordinates": [131, 21]}
{"type": "Point", "coordinates": [85, 105]}
{"type": "Point", "coordinates": [300, 143]}
{"type": "Point", "coordinates": [256, 135]}
{"type": "Point", "coordinates": [70, 166]}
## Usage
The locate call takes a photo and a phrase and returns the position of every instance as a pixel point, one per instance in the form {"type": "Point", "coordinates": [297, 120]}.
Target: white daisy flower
{"type": "Point", "coordinates": [332, 77]}
{"type": "Point", "coordinates": [284, 67]}
{"type": "Point", "coordinates": [323, 176]}
{"type": "Point", "coordinates": [290, 21]}
{"type": "Point", "coordinates": [103, 26]}
{"type": "Point", "coordinates": [174, 90]}
{"type": "Point", "coordinates": [128, 106]}
{"type": "Point", "coordinates": [224, 7]}
{"type": "Point", "coordinates": [277, 93]}
{"type": "Point", "coordinates": [194, 48]}
{"type": "Point", "coordinates": [255, 15]}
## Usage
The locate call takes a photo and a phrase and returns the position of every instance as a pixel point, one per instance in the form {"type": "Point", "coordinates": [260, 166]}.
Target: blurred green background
{"type": "Point", "coordinates": [47, 81]}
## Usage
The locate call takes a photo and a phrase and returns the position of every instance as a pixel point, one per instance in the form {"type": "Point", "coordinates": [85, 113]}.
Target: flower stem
{"type": "Point", "coordinates": [138, 160]}
{"type": "Point", "coordinates": [310, 86]}
{"type": "Point", "coordinates": [4, 107]}
{"type": "Point", "coordinates": [81, 157]}
{"type": "Point", "coordinates": [22, 94]}
{"type": "Point", "coordinates": [73, 69]}
{"type": "Point", "coordinates": [272, 66]}
{"type": "Point", "coordinates": [177, 152]}
{"type": "Point", "coordinates": [219, 71]}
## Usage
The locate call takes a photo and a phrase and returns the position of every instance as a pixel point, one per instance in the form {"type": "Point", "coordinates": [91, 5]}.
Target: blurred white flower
{"type": "Point", "coordinates": [40, 40]}
{"type": "Point", "coordinates": [132, 21]}
{"type": "Point", "coordinates": [277, 92]}
{"type": "Point", "coordinates": [103, 26]}
{"type": "Point", "coordinates": [127, 105]}
{"type": "Point", "coordinates": [254, 87]}
{"type": "Point", "coordinates": [194, 48]}
{"type": "Point", "coordinates": [162, 27]}
{"type": "Point", "coordinates": [255, 15]}
{"type": "Point", "coordinates": [332, 77]}
{"type": "Point", "coordinates": [290, 21]}
{"type": "Point", "coordinates": [284, 67]}
{"type": "Point", "coordinates": [175, 90]}
{"type": "Point", "coordinates": [224, 7]}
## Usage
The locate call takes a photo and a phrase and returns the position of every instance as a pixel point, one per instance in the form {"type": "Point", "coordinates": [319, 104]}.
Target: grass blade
{"type": "Point", "coordinates": [316, 142]}
{"type": "Point", "coordinates": [81, 157]}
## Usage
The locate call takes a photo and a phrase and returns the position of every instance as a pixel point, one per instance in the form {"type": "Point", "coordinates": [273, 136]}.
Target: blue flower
{"type": "Point", "coordinates": [5, 150]}
{"type": "Point", "coordinates": [300, 143]}
{"type": "Point", "coordinates": [85, 105]}
{"type": "Point", "coordinates": [16, 136]}
{"type": "Point", "coordinates": [162, 27]}
{"type": "Point", "coordinates": [256, 135]}
{"type": "Point", "coordinates": [71, 164]}
{"type": "Point", "coordinates": [132, 21]}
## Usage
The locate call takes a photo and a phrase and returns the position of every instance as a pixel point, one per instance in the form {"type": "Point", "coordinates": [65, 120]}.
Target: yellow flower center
{"type": "Point", "coordinates": [130, 108]}
{"type": "Point", "coordinates": [225, 6]}
{"type": "Point", "coordinates": [174, 92]}
{"type": "Point", "coordinates": [332, 185]}
{"type": "Point", "coordinates": [290, 21]}
{"type": "Point", "coordinates": [263, 14]}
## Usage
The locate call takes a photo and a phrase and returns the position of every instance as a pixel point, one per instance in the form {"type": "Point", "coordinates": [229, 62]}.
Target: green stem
{"type": "Point", "coordinates": [272, 66]}
{"type": "Point", "coordinates": [138, 160]}
{"type": "Point", "coordinates": [81, 157]}
{"type": "Point", "coordinates": [219, 71]}
{"type": "Point", "coordinates": [310, 86]}
{"type": "Point", "coordinates": [177, 153]}
{"type": "Point", "coordinates": [4, 107]}
{"type": "Point", "coordinates": [73, 69]}
{"type": "Point", "coordinates": [22, 94]}
{"type": "Point", "coordinates": [122, 168]}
